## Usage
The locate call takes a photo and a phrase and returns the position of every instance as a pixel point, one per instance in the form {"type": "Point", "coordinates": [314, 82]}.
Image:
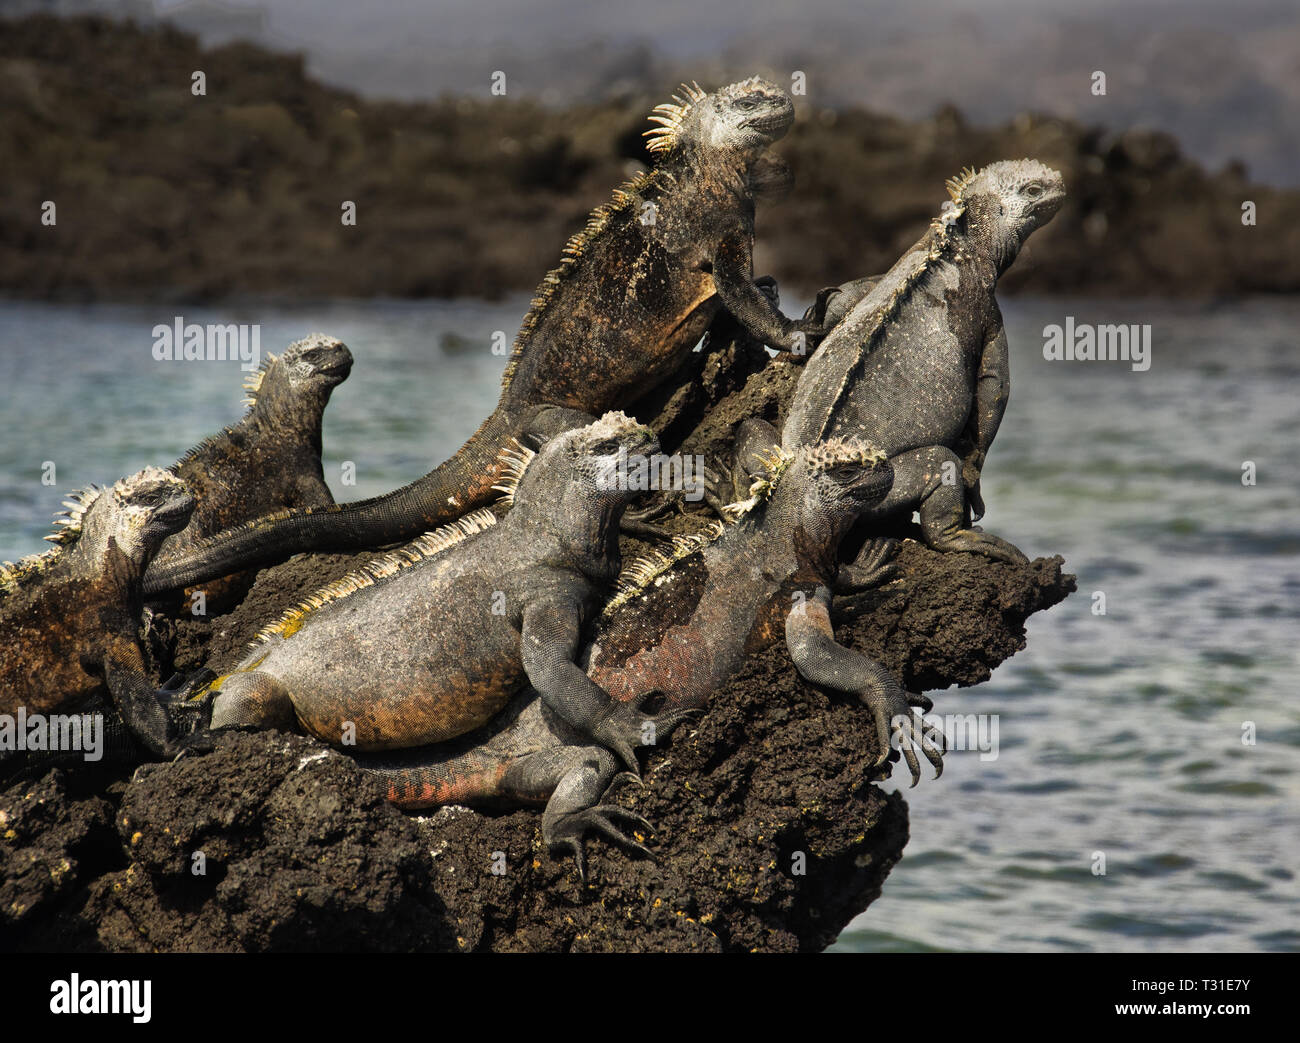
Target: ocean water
{"type": "Point", "coordinates": [1161, 737]}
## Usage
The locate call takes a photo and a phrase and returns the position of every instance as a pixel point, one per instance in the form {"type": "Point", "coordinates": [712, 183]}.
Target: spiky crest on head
{"type": "Point", "coordinates": [835, 452]}
{"type": "Point", "coordinates": [514, 460]}
{"type": "Point", "coordinates": [671, 117]}
{"type": "Point", "coordinates": [676, 119]}
{"type": "Point", "coordinates": [69, 521]}
{"type": "Point", "coordinates": [138, 496]}
{"type": "Point", "coordinates": [253, 382]}
{"type": "Point", "coordinates": [649, 569]}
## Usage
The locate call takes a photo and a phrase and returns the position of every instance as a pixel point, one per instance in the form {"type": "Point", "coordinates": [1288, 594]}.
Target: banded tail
{"type": "Point", "coordinates": [452, 489]}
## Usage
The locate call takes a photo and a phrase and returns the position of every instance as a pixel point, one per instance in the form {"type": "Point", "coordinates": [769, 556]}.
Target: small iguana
{"type": "Point", "coordinates": [633, 294]}
{"type": "Point", "coordinates": [682, 623]}
{"type": "Point", "coordinates": [919, 365]}
{"type": "Point", "coordinates": [432, 640]}
{"type": "Point", "coordinates": [70, 618]}
{"type": "Point", "coordinates": [270, 459]}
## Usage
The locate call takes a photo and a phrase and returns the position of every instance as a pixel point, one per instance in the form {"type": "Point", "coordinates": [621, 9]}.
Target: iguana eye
{"type": "Point", "coordinates": [1033, 190]}
{"type": "Point", "coordinates": [845, 474]}
{"type": "Point", "coordinates": [607, 447]}
{"type": "Point", "coordinates": [745, 104]}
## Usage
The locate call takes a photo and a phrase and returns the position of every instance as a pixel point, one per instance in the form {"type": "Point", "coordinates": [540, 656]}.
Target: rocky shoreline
{"type": "Point", "coordinates": [769, 835]}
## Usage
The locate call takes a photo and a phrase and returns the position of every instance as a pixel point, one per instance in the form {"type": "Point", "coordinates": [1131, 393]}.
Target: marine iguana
{"type": "Point", "coordinates": [919, 365]}
{"type": "Point", "coordinates": [681, 624]}
{"type": "Point", "coordinates": [633, 293]}
{"type": "Point", "coordinates": [270, 459]}
{"type": "Point", "coordinates": [70, 618]}
{"type": "Point", "coordinates": [432, 640]}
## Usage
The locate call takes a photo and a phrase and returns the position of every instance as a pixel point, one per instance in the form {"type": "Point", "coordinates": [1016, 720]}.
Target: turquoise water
{"type": "Point", "coordinates": [1120, 734]}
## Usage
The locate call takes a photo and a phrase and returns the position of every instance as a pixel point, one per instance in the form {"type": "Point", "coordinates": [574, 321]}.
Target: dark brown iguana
{"type": "Point", "coordinates": [919, 364]}
{"type": "Point", "coordinates": [70, 618]}
{"type": "Point", "coordinates": [267, 461]}
{"type": "Point", "coordinates": [633, 294]}
{"type": "Point", "coordinates": [432, 640]}
{"type": "Point", "coordinates": [681, 625]}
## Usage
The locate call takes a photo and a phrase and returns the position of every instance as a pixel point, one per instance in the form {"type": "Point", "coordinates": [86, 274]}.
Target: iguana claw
{"type": "Point", "coordinates": [622, 729]}
{"type": "Point", "coordinates": [569, 833]}
{"type": "Point", "coordinates": [899, 728]}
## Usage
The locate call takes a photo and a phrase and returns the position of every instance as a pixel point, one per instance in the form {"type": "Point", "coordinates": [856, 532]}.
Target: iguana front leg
{"type": "Point", "coordinates": [752, 307]}
{"type": "Point", "coordinates": [551, 638]}
{"type": "Point", "coordinates": [819, 659]}
{"type": "Point", "coordinates": [833, 303]}
{"type": "Point", "coordinates": [992, 392]}
{"type": "Point", "coordinates": [138, 700]}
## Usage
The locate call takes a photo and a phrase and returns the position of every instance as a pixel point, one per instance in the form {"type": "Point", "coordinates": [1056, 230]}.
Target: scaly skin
{"type": "Point", "coordinates": [432, 642]}
{"type": "Point", "coordinates": [270, 460]}
{"type": "Point", "coordinates": [70, 618]}
{"type": "Point", "coordinates": [682, 625]}
{"type": "Point", "coordinates": [918, 365]}
{"type": "Point", "coordinates": [632, 296]}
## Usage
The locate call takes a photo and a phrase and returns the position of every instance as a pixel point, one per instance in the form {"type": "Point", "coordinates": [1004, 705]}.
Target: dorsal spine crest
{"type": "Point", "coordinates": [642, 573]}
{"type": "Point", "coordinates": [418, 550]}
{"type": "Point", "coordinates": [940, 242]}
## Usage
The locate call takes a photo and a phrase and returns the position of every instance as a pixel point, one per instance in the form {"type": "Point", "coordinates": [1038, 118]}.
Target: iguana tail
{"type": "Point", "coordinates": [451, 489]}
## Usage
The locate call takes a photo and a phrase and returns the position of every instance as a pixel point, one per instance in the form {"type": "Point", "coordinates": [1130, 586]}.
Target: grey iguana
{"type": "Point", "coordinates": [682, 623]}
{"type": "Point", "coordinates": [432, 640]}
{"type": "Point", "coordinates": [633, 294]}
{"type": "Point", "coordinates": [918, 365]}
{"type": "Point", "coordinates": [270, 459]}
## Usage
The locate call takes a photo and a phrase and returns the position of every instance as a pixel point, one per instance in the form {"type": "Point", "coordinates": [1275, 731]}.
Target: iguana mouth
{"type": "Point", "coordinates": [777, 121]}
{"type": "Point", "coordinates": [176, 513]}
{"type": "Point", "coordinates": [338, 369]}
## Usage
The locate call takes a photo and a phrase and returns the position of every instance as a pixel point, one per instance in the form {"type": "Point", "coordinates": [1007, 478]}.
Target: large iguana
{"type": "Point", "coordinates": [634, 292]}
{"type": "Point", "coordinates": [270, 459]}
{"type": "Point", "coordinates": [681, 625]}
{"type": "Point", "coordinates": [70, 618]}
{"type": "Point", "coordinates": [919, 365]}
{"type": "Point", "coordinates": [432, 640]}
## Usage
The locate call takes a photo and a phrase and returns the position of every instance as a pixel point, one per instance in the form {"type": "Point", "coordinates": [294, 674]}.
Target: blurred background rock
{"type": "Point", "coordinates": [164, 195]}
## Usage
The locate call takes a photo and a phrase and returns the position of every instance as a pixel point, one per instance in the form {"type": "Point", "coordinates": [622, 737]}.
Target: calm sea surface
{"type": "Point", "coordinates": [1120, 734]}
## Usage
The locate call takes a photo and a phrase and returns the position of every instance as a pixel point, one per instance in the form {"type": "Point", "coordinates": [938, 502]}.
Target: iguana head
{"type": "Point", "coordinates": [314, 365]}
{"type": "Point", "coordinates": [1005, 202]}
{"type": "Point", "coordinates": [588, 464]}
{"type": "Point", "coordinates": [838, 477]}
{"type": "Point", "coordinates": [742, 117]}
{"type": "Point", "coordinates": [139, 512]}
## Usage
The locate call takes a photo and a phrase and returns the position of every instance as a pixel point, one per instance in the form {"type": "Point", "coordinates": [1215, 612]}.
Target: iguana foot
{"type": "Point", "coordinates": [622, 729]}
{"type": "Point", "coordinates": [187, 701]}
{"type": "Point", "coordinates": [899, 728]}
{"type": "Point", "coordinates": [977, 541]}
{"type": "Point", "coordinates": [609, 821]}
{"type": "Point", "coordinates": [874, 567]}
